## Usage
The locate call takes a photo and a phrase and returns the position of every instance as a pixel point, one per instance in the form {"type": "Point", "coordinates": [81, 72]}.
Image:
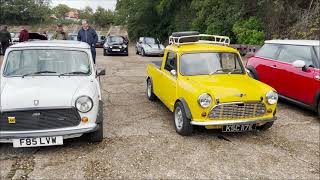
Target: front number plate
{"type": "Point", "coordinates": [239, 128]}
{"type": "Point", "coordinates": [39, 141]}
{"type": "Point", "coordinates": [115, 49]}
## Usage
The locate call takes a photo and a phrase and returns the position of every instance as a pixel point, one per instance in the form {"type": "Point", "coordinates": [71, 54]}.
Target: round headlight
{"type": "Point", "coordinates": [272, 97]}
{"type": "Point", "coordinates": [205, 100]}
{"type": "Point", "coordinates": [84, 104]}
{"type": "Point", "coordinates": [124, 46]}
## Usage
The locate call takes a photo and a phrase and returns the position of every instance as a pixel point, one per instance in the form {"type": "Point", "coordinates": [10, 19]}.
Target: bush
{"type": "Point", "coordinates": [249, 31]}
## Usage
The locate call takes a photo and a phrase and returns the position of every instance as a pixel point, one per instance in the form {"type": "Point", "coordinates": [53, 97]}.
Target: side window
{"type": "Point", "coordinates": [171, 62]}
{"type": "Point", "coordinates": [291, 53]}
{"type": "Point", "coordinates": [13, 62]}
{"type": "Point", "coordinates": [269, 51]}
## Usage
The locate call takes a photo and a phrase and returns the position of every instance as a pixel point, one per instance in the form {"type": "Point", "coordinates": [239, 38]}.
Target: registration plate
{"type": "Point", "coordinates": [115, 49]}
{"type": "Point", "coordinates": [239, 128]}
{"type": "Point", "coordinates": [39, 141]}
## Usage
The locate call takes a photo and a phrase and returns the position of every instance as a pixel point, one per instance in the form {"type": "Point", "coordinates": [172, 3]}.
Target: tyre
{"type": "Point", "coordinates": [137, 52]}
{"type": "Point", "coordinates": [319, 109]}
{"type": "Point", "coordinates": [143, 53]}
{"type": "Point", "coordinates": [105, 53]}
{"type": "Point", "coordinates": [266, 126]}
{"type": "Point", "coordinates": [181, 122]}
{"type": "Point", "coordinates": [151, 96]}
{"type": "Point", "coordinates": [97, 136]}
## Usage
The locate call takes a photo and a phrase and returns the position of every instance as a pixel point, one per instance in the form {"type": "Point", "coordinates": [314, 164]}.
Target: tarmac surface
{"type": "Point", "coordinates": [141, 143]}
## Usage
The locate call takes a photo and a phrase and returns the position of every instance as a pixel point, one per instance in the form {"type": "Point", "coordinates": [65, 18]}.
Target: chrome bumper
{"type": "Point", "coordinates": [232, 122]}
{"type": "Point", "coordinates": [51, 132]}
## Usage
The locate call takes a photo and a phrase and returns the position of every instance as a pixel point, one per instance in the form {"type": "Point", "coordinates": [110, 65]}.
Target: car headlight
{"type": "Point", "coordinates": [124, 46]}
{"type": "Point", "coordinates": [272, 97]}
{"type": "Point", "coordinates": [84, 104]}
{"type": "Point", "coordinates": [205, 100]}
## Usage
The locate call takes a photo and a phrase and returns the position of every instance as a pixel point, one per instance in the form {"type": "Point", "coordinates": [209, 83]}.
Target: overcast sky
{"type": "Point", "coordinates": [81, 4]}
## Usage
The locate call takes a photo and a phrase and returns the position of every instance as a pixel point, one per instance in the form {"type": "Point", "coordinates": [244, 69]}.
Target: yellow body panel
{"type": "Point", "coordinates": [170, 89]}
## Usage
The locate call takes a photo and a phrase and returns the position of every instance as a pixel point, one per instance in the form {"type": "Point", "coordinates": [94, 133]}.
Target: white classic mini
{"type": "Point", "coordinates": [49, 92]}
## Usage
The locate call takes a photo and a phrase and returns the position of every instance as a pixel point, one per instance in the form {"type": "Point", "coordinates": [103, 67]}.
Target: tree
{"type": "Point", "coordinates": [103, 17]}
{"type": "Point", "coordinates": [60, 10]}
{"type": "Point", "coordinates": [249, 31]}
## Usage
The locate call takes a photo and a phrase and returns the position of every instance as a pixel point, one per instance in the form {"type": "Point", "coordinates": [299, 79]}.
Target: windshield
{"type": "Point", "coordinates": [115, 39]}
{"type": "Point", "coordinates": [150, 41]}
{"type": "Point", "coordinates": [210, 63]}
{"type": "Point", "coordinates": [45, 62]}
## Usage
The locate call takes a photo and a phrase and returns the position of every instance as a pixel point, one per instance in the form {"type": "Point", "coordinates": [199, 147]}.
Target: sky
{"type": "Point", "coordinates": [81, 4]}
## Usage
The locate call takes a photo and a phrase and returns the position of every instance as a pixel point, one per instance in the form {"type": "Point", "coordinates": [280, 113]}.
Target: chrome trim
{"type": "Point", "coordinates": [37, 108]}
{"type": "Point", "coordinates": [51, 132]}
{"type": "Point", "coordinates": [232, 122]}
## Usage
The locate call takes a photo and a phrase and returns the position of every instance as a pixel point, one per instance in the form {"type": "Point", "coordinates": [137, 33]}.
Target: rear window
{"type": "Point", "coordinates": [268, 51]}
{"type": "Point", "coordinates": [291, 53]}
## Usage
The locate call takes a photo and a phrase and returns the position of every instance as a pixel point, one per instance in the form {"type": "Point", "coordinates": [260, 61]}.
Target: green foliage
{"type": "Point", "coordinates": [249, 31]}
{"type": "Point", "coordinates": [60, 10]}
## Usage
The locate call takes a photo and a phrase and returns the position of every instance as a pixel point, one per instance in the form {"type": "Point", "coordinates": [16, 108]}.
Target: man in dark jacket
{"type": "Point", "coordinates": [5, 39]}
{"type": "Point", "coordinates": [88, 35]}
{"type": "Point", "coordinates": [24, 35]}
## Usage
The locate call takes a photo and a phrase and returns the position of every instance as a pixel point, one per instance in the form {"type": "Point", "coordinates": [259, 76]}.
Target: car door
{"type": "Point", "coordinates": [265, 64]}
{"type": "Point", "coordinates": [297, 83]}
{"type": "Point", "coordinates": [169, 81]}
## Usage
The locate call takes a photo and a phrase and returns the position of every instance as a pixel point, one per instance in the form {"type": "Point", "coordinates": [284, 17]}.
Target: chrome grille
{"type": "Point", "coordinates": [238, 110]}
{"type": "Point", "coordinates": [40, 119]}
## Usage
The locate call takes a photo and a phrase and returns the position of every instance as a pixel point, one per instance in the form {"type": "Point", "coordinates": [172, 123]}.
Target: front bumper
{"type": "Point", "coordinates": [154, 52]}
{"type": "Point", "coordinates": [232, 122]}
{"type": "Point", "coordinates": [120, 51]}
{"type": "Point", "coordinates": [7, 135]}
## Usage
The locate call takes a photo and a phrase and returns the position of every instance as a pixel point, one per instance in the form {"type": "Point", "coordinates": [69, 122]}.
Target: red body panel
{"type": "Point", "coordinates": [288, 80]}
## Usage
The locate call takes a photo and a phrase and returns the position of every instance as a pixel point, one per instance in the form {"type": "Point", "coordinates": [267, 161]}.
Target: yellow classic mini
{"type": "Point", "coordinates": [204, 83]}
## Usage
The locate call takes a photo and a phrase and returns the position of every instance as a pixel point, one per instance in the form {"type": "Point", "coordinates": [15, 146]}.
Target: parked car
{"type": "Point", "coordinates": [115, 45]}
{"type": "Point", "coordinates": [204, 83]}
{"type": "Point", "coordinates": [49, 92]}
{"type": "Point", "coordinates": [292, 67]}
{"type": "Point", "coordinates": [73, 36]}
{"type": "Point", "coordinates": [149, 46]}
{"type": "Point", "coordinates": [101, 40]}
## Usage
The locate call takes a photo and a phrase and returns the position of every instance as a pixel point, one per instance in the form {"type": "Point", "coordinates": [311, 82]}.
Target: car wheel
{"type": "Point", "coordinates": [181, 122]}
{"type": "Point", "coordinates": [104, 53]}
{"type": "Point", "coordinates": [266, 126]}
{"type": "Point", "coordinates": [97, 136]}
{"type": "Point", "coordinates": [137, 52]}
{"type": "Point", "coordinates": [151, 96]}
{"type": "Point", "coordinates": [319, 109]}
{"type": "Point", "coordinates": [143, 53]}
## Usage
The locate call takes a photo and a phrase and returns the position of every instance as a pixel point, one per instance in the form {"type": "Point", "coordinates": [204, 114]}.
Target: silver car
{"type": "Point", "coordinates": [149, 46]}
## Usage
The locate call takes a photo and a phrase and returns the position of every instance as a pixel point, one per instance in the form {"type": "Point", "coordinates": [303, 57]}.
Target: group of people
{"type": "Point", "coordinates": [86, 34]}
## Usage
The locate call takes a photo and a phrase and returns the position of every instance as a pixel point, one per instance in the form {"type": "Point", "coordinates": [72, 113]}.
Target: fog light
{"type": "Point", "coordinates": [269, 110]}
{"type": "Point", "coordinates": [204, 114]}
{"type": "Point", "coordinates": [84, 119]}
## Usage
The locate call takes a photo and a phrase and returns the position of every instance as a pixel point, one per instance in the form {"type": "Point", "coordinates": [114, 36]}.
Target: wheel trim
{"type": "Point", "coordinates": [178, 118]}
{"type": "Point", "coordinates": [149, 88]}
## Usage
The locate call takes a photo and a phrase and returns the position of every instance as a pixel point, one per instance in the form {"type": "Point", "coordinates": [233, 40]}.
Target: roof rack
{"type": "Point", "coordinates": [196, 39]}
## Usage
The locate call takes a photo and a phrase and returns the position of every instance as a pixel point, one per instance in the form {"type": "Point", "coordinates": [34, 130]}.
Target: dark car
{"type": "Point", "coordinates": [115, 45]}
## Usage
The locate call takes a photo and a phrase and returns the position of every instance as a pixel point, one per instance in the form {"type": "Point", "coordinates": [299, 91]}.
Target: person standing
{"type": "Point", "coordinates": [59, 34]}
{"type": "Point", "coordinates": [88, 35]}
{"type": "Point", "coordinates": [24, 35]}
{"type": "Point", "coordinates": [5, 39]}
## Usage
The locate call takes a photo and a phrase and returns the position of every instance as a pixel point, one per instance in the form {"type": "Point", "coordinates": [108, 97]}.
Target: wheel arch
{"type": "Point", "coordinates": [185, 106]}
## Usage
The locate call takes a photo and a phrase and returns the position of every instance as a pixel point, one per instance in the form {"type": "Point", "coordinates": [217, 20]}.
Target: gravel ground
{"type": "Point", "coordinates": [140, 142]}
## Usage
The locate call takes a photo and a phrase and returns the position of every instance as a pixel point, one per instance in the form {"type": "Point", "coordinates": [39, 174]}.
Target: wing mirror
{"type": "Point", "coordinates": [300, 64]}
{"type": "Point", "coordinates": [101, 72]}
{"type": "Point", "coordinates": [173, 73]}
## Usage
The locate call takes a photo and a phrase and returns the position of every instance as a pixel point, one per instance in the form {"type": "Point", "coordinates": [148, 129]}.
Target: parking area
{"type": "Point", "coordinates": [140, 141]}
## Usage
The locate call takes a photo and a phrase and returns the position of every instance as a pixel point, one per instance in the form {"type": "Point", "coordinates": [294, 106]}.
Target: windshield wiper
{"type": "Point", "coordinates": [219, 70]}
{"type": "Point", "coordinates": [235, 71]}
{"type": "Point", "coordinates": [39, 72]}
{"type": "Point", "coordinates": [74, 73]}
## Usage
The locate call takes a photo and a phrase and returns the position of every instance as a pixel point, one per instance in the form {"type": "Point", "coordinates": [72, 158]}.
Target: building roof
{"type": "Point", "coordinates": [295, 42]}
{"type": "Point", "coordinates": [53, 43]}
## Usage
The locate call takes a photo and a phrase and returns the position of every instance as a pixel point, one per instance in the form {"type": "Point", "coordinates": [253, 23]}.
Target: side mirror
{"type": "Point", "coordinates": [101, 72]}
{"type": "Point", "coordinates": [173, 73]}
{"type": "Point", "coordinates": [300, 64]}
